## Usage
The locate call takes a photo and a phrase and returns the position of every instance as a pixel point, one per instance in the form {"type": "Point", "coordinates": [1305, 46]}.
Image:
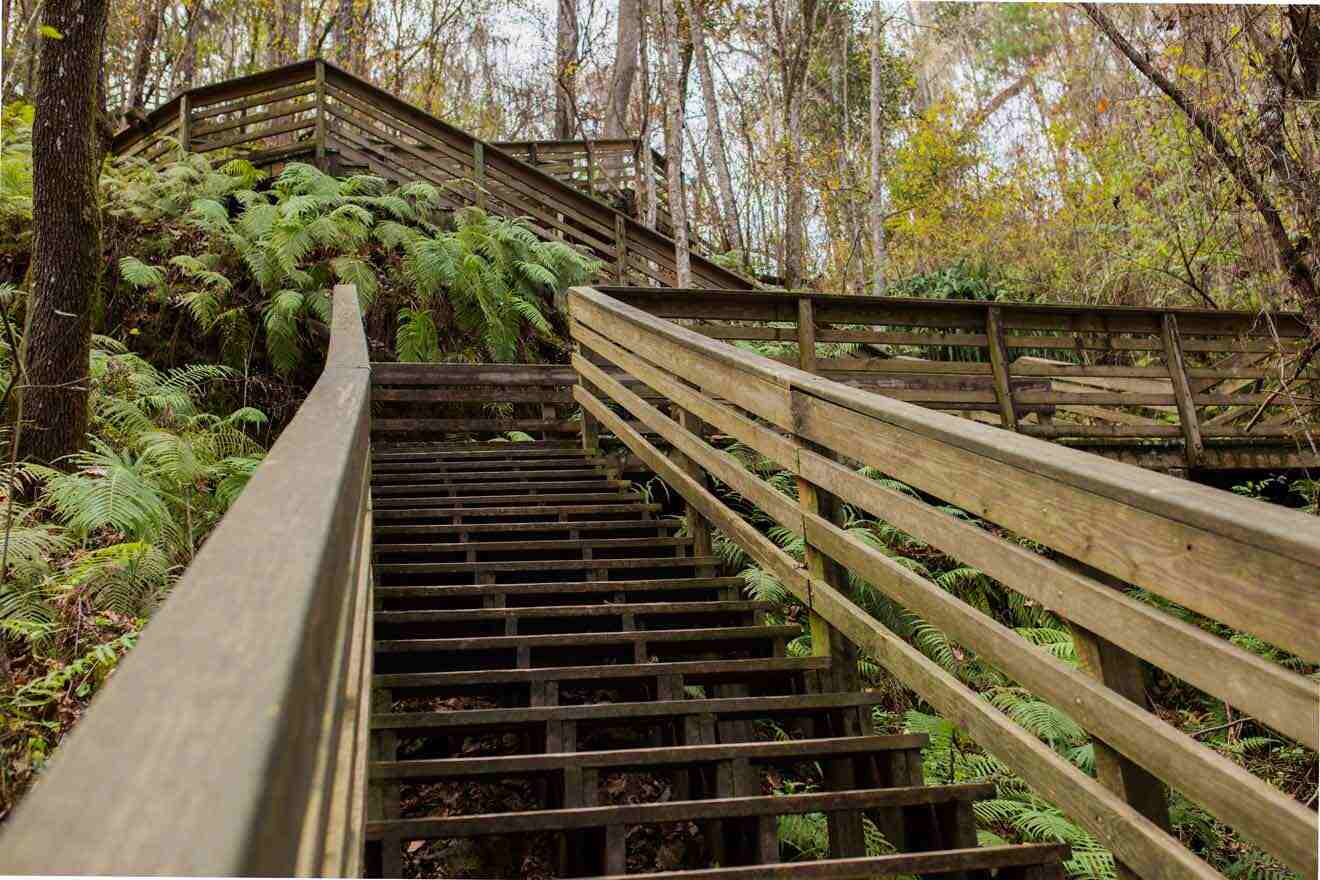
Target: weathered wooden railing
{"type": "Point", "coordinates": [1166, 388]}
{"type": "Point", "coordinates": [316, 112]}
{"type": "Point", "coordinates": [1108, 527]}
{"type": "Point", "coordinates": [232, 740]}
{"type": "Point", "coordinates": [614, 168]}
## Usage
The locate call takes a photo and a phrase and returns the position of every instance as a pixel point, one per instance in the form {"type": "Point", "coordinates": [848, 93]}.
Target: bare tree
{"type": "Point", "coordinates": [566, 62]}
{"type": "Point", "coordinates": [625, 68]}
{"type": "Point", "coordinates": [728, 211]}
{"type": "Point", "coordinates": [795, 29]}
{"type": "Point", "coordinates": [877, 146]}
{"type": "Point", "coordinates": [1291, 254]}
{"type": "Point", "coordinates": [142, 58]}
{"type": "Point", "coordinates": [672, 71]}
{"type": "Point", "coordinates": [67, 149]}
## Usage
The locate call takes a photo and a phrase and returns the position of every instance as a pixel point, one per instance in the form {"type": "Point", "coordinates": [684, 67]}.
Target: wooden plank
{"type": "Point", "coordinates": [694, 670]}
{"type": "Point", "coordinates": [1193, 446]}
{"type": "Point", "coordinates": [1280, 698]}
{"type": "Point", "coordinates": [1278, 823]}
{"type": "Point", "coordinates": [999, 362]}
{"type": "Point", "coordinates": [469, 426]}
{"type": "Point", "coordinates": [124, 781]}
{"type": "Point", "coordinates": [761, 752]}
{"type": "Point", "coordinates": [1004, 858]}
{"type": "Point", "coordinates": [676, 811]}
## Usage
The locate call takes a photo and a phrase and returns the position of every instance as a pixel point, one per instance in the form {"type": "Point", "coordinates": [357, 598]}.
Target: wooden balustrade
{"type": "Point", "coordinates": [1170, 389]}
{"type": "Point", "coordinates": [1108, 527]}
{"type": "Point", "coordinates": [243, 709]}
{"type": "Point", "coordinates": [313, 111]}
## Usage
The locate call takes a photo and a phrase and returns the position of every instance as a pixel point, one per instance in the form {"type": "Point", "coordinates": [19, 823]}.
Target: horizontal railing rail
{"type": "Point", "coordinates": [1212, 382]}
{"type": "Point", "coordinates": [1108, 527]}
{"type": "Point", "coordinates": [232, 740]}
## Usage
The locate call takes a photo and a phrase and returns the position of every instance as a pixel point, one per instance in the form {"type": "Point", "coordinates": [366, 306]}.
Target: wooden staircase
{"type": "Point", "coordinates": [540, 624]}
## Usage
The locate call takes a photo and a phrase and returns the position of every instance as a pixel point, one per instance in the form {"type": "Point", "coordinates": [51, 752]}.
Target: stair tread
{"type": "Point", "coordinates": [690, 669]}
{"type": "Point", "coordinates": [520, 510]}
{"type": "Point", "coordinates": [476, 643]}
{"type": "Point", "coordinates": [551, 587]}
{"type": "Point", "coordinates": [564, 544]}
{"type": "Point", "coordinates": [585, 525]}
{"type": "Point", "coordinates": [677, 811]}
{"type": "Point", "coordinates": [524, 500]}
{"type": "Point", "coordinates": [454, 490]}
{"type": "Point", "coordinates": [400, 475]}
{"type": "Point", "coordinates": [614, 711]}
{"type": "Point", "coordinates": [547, 564]}
{"type": "Point", "coordinates": [941, 861]}
{"type": "Point", "coordinates": [607, 609]}
{"type": "Point", "coordinates": [438, 768]}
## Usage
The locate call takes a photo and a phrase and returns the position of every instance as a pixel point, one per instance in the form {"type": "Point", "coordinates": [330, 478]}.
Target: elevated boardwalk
{"type": "Point", "coordinates": [403, 599]}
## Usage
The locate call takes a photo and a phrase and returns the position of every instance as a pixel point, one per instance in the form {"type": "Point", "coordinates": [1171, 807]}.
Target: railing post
{"type": "Point", "coordinates": [620, 247]}
{"type": "Point", "coordinates": [185, 122]}
{"type": "Point", "coordinates": [1121, 671]}
{"type": "Point", "coordinates": [698, 525]}
{"type": "Point", "coordinates": [1194, 449]}
{"type": "Point", "coordinates": [479, 172]}
{"type": "Point", "coordinates": [846, 835]}
{"type": "Point", "coordinates": [639, 184]}
{"type": "Point", "coordinates": [994, 331]}
{"type": "Point", "coordinates": [320, 115]}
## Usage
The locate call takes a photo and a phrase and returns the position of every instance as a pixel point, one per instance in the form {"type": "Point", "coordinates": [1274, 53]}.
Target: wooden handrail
{"type": "Point", "coordinates": [1248, 565]}
{"type": "Point", "coordinates": [232, 739]}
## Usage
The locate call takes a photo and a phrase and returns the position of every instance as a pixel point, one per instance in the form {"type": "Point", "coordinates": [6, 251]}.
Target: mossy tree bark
{"type": "Point", "coordinates": [67, 150]}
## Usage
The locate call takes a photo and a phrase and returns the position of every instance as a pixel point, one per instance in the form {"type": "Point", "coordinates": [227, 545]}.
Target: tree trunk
{"type": "Point", "coordinates": [671, 75]}
{"type": "Point", "coordinates": [625, 69]}
{"type": "Point", "coordinates": [566, 59]}
{"type": "Point", "coordinates": [794, 34]}
{"type": "Point", "coordinates": [345, 31]}
{"type": "Point", "coordinates": [142, 60]}
{"type": "Point", "coordinates": [732, 227]}
{"type": "Point", "coordinates": [185, 72]}
{"type": "Point", "coordinates": [878, 257]}
{"type": "Point", "coordinates": [285, 38]}
{"type": "Point", "coordinates": [1299, 274]}
{"type": "Point", "coordinates": [67, 150]}
{"type": "Point", "coordinates": [646, 158]}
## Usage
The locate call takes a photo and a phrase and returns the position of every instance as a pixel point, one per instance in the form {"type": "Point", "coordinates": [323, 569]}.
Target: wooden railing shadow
{"type": "Point", "coordinates": [1108, 528]}
{"type": "Point", "coordinates": [233, 739]}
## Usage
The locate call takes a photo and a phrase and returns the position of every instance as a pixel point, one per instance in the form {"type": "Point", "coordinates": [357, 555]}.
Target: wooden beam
{"type": "Point", "coordinates": [994, 331]}
{"type": "Point", "coordinates": [1173, 355]}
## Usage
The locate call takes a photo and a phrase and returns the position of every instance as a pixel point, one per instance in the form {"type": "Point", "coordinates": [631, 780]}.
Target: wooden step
{"type": "Point", "coordinates": [532, 546]}
{"type": "Point", "coordinates": [440, 452]}
{"type": "Point", "coordinates": [721, 707]}
{"type": "Point", "coordinates": [608, 609]}
{"type": "Point", "coordinates": [756, 752]}
{"type": "Point", "coordinates": [694, 671]}
{"type": "Point", "coordinates": [677, 811]}
{"type": "Point", "coordinates": [1012, 861]}
{"type": "Point", "coordinates": [514, 510]}
{"type": "Point", "coordinates": [582, 525]}
{"type": "Point", "coordinates": [523, 501]}
{"type": "Point", "coordinates": [462, 467]}
{"type": "Point", "coordinates": [575, 640]}
{"type": "Point", "coordinates": [463, 491]}
{"type": "Point", "coordinates": [547, 565]}
{"type": "Point", "coordinates": [560, 588]}
{"type": "Point", "coordinates": [510, 476]}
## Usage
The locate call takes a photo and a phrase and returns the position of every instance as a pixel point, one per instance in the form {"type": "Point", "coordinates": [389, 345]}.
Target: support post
{"type": "Point", "coordinates": [994, 331]}
{"type": "Point", "coordinates": [479, 172]}
{"type": "Point", "coordinates": [698, 525]}
{"type": "Point", "coordinates": [320, 115]}
{"type": "Point", "coordinates": [847, 839]}
{"type": "Point", "coordinates": [1121, 672]}
{"type": "Point", "coordinates": [1193, 447]}
{"type": "Point", "coordinates": [185, 122]}
{"type": "Point", "coordinates": [620, 247]}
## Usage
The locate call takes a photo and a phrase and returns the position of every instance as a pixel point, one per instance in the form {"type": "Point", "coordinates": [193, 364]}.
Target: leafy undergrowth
{"type": "Point", "coordinates": [89, 550]}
